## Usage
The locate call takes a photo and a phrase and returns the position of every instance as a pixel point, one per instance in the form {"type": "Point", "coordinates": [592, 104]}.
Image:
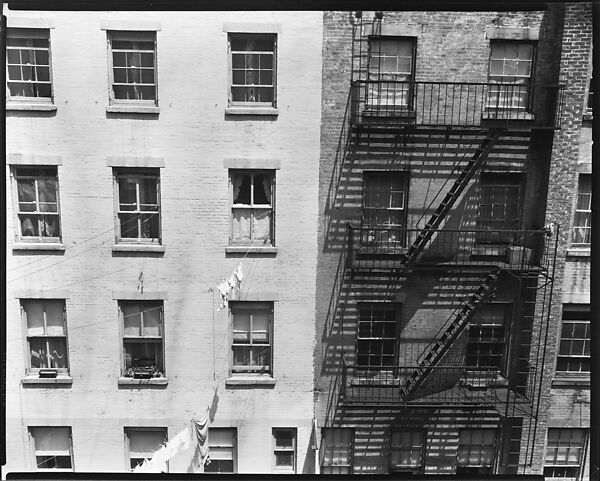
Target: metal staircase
{"type": "Point", "coordinates": [451, 330]}
{"type": "Point", "coordinates": [478, 160]}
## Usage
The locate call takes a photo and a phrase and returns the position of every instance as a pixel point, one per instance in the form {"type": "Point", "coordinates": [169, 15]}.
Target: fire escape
{"type": "Point", "coordinates": [435, 383]}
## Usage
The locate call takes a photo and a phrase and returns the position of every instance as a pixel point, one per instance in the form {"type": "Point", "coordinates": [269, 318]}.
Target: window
{"type": "Point", "coordinates": [251, 345]}
{"type": "Point", "coordinates": [132, 57]}
{"type": "Point", "coordinates": [28, 65]}
{"type": "Point", "coordinates": [46, 334]}
{"type": "Point", "coordinates": [138, 205]}
{"type": "Point", "coordinates": [252, 207]}
{"type": "Point", "coordinates": [485, 347]}
{"type": "Point", "coordinates": [498, 207]}
{"type": "Point", "coordinates": [574, 351]}
{"type": "Point", "coordinates": [285, 449]}
{"type": "Point", "coordinates": [511, 63]}
{"type": "Point", "coordinates": [565, 451]}
{"type": "Point", "coordinates": [391, 72]}
{"type": "Point", "coordinates": [590, 98]}
{"type": "Point", "coordinates": [53, 448]}
{"type": "Point", "coordinates": [253, 72]}
{"type": "Point", "coordinates": [222, 448]}
{"type": "Point", "coordinates": [384, 210]}
{"type": "Point", "coordinates": [142, 443]}
{"type": "Point", "coordinates": [476, 451]}
{"type": "Point", "coordinates": [337, 450]}
{"type": "Point", "coordinates": [582, 224]}
{"type": "Point", "coordinates": [377, 333]}
{"type": "Point", "coordinates": [143, 332]}
{"type": "Point", "coordinates": [406, 453]}
{"type": "Point", "coordinates": [38, 207]}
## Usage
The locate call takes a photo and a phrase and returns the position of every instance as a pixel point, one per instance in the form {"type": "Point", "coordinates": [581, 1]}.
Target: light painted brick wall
{"type": "Point", "coordinates": [194, 137]}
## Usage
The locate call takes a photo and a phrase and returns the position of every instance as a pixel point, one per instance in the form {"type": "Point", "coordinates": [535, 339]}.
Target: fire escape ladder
{"type": "Point", "coordinates": [478, 160]}
{"type": "Point", "coordinates": [456, 325]}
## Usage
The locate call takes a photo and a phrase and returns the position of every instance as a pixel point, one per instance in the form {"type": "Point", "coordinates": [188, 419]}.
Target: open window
{"type": "Point", "coordinates": [142, 443]}
{"type": "Point", "coordinates": [53, 448]}
{"type": "Point", "coordinates": [143, 339]}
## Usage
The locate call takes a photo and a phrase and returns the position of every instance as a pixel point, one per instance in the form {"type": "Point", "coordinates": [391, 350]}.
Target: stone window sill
{"type": "Point", "coordinates": [132, 109]}
{"type": "Point", "coordinates": [138, 248]}
{"type": "Point", "coordinates": [247, 380]}
{"type": "Point", "coordinates": [38, 246]}
{"type": "Point", "coordinates": [251, 111]}
{"type": "Point", "coordinates": [579, 252]}
{"type": "Point", "coordinates": [39, 107]}
{"type": "Point", "coordinates": [251, 249]}
{"type": "Point", "coordinates": [155, 381]}
{"type": "Point", "coordinates": [574, 380]}
{"type": "Point", "coordinates": [35, 379]}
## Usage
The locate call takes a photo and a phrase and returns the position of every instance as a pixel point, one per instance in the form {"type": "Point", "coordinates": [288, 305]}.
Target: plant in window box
{"type": "Point", "coordinates": [143, 368]}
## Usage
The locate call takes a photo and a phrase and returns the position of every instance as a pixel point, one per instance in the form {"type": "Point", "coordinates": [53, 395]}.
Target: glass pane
{"type": "Point", "coordinates": [241, 226]}
{"type": "Point", "coordinates": [119, 59]}
{"type": "Point", "coordinates": [14, 72]}
{"type": "Point", "coordinates": [129, 225]}
{"type": "Point", "coordinates": [34, 312]}
{"type": "Point", "coordinates": [54, 317]}
{"type": "Point", "coordinates": [13, 56]}
{"type": "Point", "coordinates": [238, 60]}
{"type": "Point", "coordinates": [29, 225]}
{"type": "Point", "coordinates": [148, 191]}
{"type": "Point", "coordinates": [52, 439]}
{"type": "Point", "coordinates": [26, 190]}
{"type": "Point", "coordinates": [152, 324]}
{"type": "Point", "coordinates": [262, 226]}
{"type": "Point", "coordinates": [220, 437]}
{"type": "Point", "coordinates": [241, 355]}
{"type": "Point", "coordinates": [219, 466]}
{"type": "Point", "coordinates": [241, 188]}
{"type": "Point", "coordinates": [58, 352]}
{"type": "Point", "coordinates": [132, 319]}
{"type": "Point", "coordinates": [262, 189]}
{"type": "Point", "coordinates": [148, 76]}
{"type": "Point", "coordinates": [239, 77]}
{"type": "Point", "coordinates": [147, 60]}
{"type": "Point", "coordinates": [41, 57]}
{"type": "Point", "coordinates": [260, 326]}
{"type": "Point", "coordinates": [284, 439]}
{"type": "Point", "coordinates": [127, 193]}
{"type": "Point", "coordinates": [53, 462]}
{"type": "Point", "coordinates": [47, 194]}
{"type": "Point", "coordinates": [143, 354]}
{"type": "Point", "coordinates": [261, 356]}
{"type": "Point", "coordinates": [120, 75]}
{"type": "Point", "coordinates": [264, 94]}
{"type": "Point", "coordinates": [241, 326]}
{"type": "Point", "coordinates": [37, 352]}
{"type": "Point", "coordinates": [266, 77]}
{"type": "Point", "coordinates": [43, 74]}
{"type": "Point", "coordinates": [284, 459]}
{"type": "Point", "coordinates": [144, 442]}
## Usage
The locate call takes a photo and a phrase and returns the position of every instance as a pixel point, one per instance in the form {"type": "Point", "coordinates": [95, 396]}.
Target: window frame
{"type": "Point", "coordinates": [252, 207]}
{"type": "Point", "coordinates": [159, 340]}
{"type": "Point", "coordinates": [396, 307]}
{"type": "Point", "coordinates": [583, 180]}
{"type": "Point", "coordinates": [375, 75]}
{"type": "Point", "coordinates": [470, 468]}
{"type": "Point", "coordinates": [529, 92]}
{"type": "Point", "coordinates": [36, 173]}
{"type": "Point", "coordinates": [142, 36]}
{"type": "Point", "coordinates": [234, 453]}
{"type": "Point", "coordinates": [583, 448]}
{"type": "Point", "coordinates": [34, 451]}
{"type": "Point", "coordinates": [505, 234]}
{"type": "Point", "coordinates": [230, 84]}
{"type": "Point", "coordinates": [507, 309]}
{"type": "Point", "coordinates": [413, 469]}
{"type": "Point", "coordinates": [376, 236]}
{"type": "Point", "coordinates": [349, 467]}
{"type": "Point", "coordinates": [30, 33]}
{"type": "Point", "coordinates": [568, 312]}
{"type": "Point", "coordinates": [240, 370]}
{"type": "Point", "coordinates": [293, 450]}
{"type": "Point", "coordinates": [138, 174]}
{"type": "Point", "coordinates": [35, 370]}
{"type": "Point", "coordinates": [127, 441]}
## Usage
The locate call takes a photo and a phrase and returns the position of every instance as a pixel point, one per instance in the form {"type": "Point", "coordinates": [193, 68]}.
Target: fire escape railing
{"type": "Point", "coordinates": [510, 249]}
{"type": "Point", "coordinates": [466, 104]}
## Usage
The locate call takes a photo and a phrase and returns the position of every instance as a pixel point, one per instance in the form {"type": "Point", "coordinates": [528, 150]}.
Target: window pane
{"type": "Point", "coordinates": [148, 192]}
{"type": "Point", "coordinates": [26, 190]}
{"type": "Point", "coordinates": [220, 437]}
{"type": "Point", "coordinates": [144, 442]}
{"type": "Point", "coordinates": [54, 317]}
{"type": "Point", "coordinates": [127, 194]}
{"type": "Point", "coordinates": [58, 352]}
{"type": "Point", "coordinates": [262, 226]}
{"type": "Point", "coordinates": [241, 226]}
{"type": "Point", "coordinates": [38, 354]}
{"type": "Point", "coordinates": [241, 327]}
{"type": "Point", "coordinates": [262, 189]}
{"type": "Point", "coordinates": [284, 459]}
{"type": "Point", "coordinates": [52, 439]}
{"type": "Point", "coordinates": [241, 355]}
{"type": "Point", "coordinates": [241, 188]}
{"type": "Point", "coordinates": [150, 226]}
{"type": "Point", "coordinates": [152, 323]}
{"type": "Point", "coordinates": [53, 462]}
{"type": "Point", "coordinates": [284, 439]}
{"type": "Point", "coordinates": [34, 312]}
{"type": "Point", "coordinates": [132, 319]}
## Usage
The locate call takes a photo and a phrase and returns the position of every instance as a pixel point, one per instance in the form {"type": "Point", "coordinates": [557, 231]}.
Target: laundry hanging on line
{"type": "Point", "coordinates": [230, 288]}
